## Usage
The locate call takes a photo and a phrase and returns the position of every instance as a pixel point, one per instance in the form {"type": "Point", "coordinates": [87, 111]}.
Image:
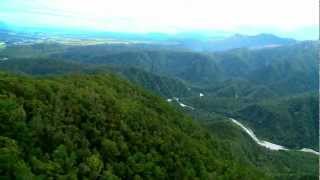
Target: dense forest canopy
{"type": "Point", "coordinates": [233, 81]}
{"type": "Point", "coordinates": [100, 126]}
{"type": "Point", "coordinates": [67, 113]}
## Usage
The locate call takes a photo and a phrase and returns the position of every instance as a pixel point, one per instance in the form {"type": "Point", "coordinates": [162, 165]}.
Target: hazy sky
{"type": "Point", "coordinates": [163, 15]}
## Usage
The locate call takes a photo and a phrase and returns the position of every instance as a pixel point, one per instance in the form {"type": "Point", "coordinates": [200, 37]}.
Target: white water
{"type": "Point", "coordinates": [267, 144]}
{"type": "Point", "coordinates": [310, 151]}
{"type": "Point", "coordinates": [201, 95]}
{"type": "Point", "coordinates": [4, 59]}
{"type": "Point", "coordinates": [183, 105]}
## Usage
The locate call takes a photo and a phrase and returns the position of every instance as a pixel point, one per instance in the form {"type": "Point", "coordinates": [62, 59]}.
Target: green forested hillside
{"type": "Point", "coordinates": [284, 70]}
{"type": "Point", "coordinates": [101, 127]}
{"type": "Point", "coordinates": [41, 66]}
{"type": "Point", "coordinates": [293, 121]}
{"type": "Point", "coordinates": [232, 81]}
{"type": "Point", "coordinates": [63, 122]}
{"type": "Point", "coordinates": [279, 164]}
{"type": "Point", "coordinates": [161, 85]}
{"type": "Point", "coordinates": [32, 50]}
{"type": "Point", "coordinates": [190, 66]}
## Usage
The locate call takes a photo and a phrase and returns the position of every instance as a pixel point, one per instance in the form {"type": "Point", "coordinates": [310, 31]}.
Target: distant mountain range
{"type": "Point", "coordinates": [240, 41]}
{"type": "Point", "coordinates": [197, 41]}
{"type": "Point", "coordinates": [270, 89]}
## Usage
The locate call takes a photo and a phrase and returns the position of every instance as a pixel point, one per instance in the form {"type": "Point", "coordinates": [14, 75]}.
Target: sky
{"type": "Point", "coordinates": [168, 16]}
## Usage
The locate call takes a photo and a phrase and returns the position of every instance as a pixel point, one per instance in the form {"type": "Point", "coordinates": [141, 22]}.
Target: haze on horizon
{"type": "Point", "coordinates": [291, 18]}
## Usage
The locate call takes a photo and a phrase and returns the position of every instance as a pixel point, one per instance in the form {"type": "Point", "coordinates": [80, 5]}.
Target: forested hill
{"type": "Point", "coordinates": [95, 125]}
{"type": "Point", "coordinates": [294, 120]}
{"type": "Point", "coordinates": [233, 81]}
{"type": "Point", "coordinates": [285, 70]}
{"type": "Point", "coordinates": [88, 124]}
{"type": "Point", "coordinates": [102, 127]}
{"type": "Point", "coordinates": [162, 85]}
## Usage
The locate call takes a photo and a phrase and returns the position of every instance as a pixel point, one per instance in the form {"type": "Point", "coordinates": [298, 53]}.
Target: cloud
{"type": "Point", "coordinates": [164, 15]}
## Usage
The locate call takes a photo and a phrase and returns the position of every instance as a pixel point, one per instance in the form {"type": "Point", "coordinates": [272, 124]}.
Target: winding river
{"type": "Point", "coordinates": [267, 144]}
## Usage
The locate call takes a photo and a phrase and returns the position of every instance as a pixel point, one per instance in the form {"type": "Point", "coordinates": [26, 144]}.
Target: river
{"type": "Point", "coordinates": [267, 144]}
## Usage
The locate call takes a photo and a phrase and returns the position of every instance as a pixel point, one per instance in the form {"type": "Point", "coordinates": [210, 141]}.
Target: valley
{"type": "Point", "coordinates": [262, 143]}
{"type": "Point", "coordinates": [159, 90]}
{"type": "Point", "coordinates": [160, 110]}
